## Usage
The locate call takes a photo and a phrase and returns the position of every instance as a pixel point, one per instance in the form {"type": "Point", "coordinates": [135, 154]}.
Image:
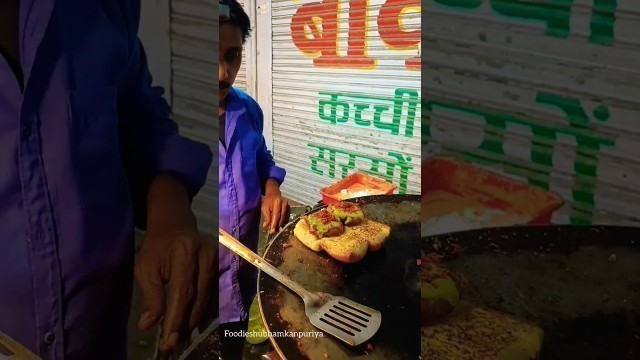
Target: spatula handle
{"type": "Point", "coordinates": [19, 351]}
{"type": "Point", "coordinates": [237, 247]}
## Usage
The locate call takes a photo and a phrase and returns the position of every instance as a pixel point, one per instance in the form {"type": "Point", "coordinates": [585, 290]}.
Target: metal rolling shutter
{"type": "Point", "coordinates": [194, 44]}
{"type": "Point", "coordinates": [241, 78]}
{"type": "Point", "coordinates": [554, 103]}
{"type": "Point", "coordinates": [331, 105]}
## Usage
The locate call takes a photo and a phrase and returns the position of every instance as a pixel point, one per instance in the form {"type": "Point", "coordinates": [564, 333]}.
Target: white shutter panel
{"type": "Point", "coordinates": [356, 110]}
{"type": "Point", "coordinates": [194, 43]}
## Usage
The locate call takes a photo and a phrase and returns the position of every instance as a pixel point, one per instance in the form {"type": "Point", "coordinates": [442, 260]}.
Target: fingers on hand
{"type": "Point", "coordinates": [266, 214]}
{"type": "Point", "coordinates": [284, 213]}
{"type": "Point", "coordinates": [152, 288]}
{"type": "Point", "coordinates": [275, 214]}
{"type": "Point", "coordinates": [180, 291]}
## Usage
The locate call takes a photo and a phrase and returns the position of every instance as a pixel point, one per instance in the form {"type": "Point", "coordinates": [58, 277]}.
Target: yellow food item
{"type": "Point", "coordinates": [439, 292]}
{"type": "Point", "coordinates": [472, 333]}
{"type": "Point", "coordinates": [347, 212]}
{"type": "Point", "coordinates": [438, 298]}
{"type": "Point", "coordinates": [323, 223]}
{"type": "Point", "coordinates": [349, 247]}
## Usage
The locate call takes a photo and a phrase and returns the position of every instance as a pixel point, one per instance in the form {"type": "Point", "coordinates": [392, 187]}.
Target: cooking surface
{"type": "Point", "coordinates": [580, 284]}
{"type": "Point", "coordinates": [386, 281]}
{"type": "Point", "coordinates": [207, 348]}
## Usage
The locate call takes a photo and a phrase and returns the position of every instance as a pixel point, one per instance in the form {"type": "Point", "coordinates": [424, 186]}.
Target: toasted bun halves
{"type": "Point", "coordinates": [303, 232]}
{"type": "Point", "coordinates": [374, 232]}
{"type": "Point", "coordinates": [352, 245]}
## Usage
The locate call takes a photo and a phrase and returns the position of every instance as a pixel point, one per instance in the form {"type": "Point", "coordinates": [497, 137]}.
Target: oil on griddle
{"type": "Point", "coordinates": [386, 280]}
{"type": "Point", "coordinates": [581, 285]}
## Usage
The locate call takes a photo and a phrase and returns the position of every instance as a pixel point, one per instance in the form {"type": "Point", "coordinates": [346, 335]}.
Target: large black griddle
{"type": "Point", "coordinates": [386, 280]}
{"type": "Point", "coordinates": [580, 284]}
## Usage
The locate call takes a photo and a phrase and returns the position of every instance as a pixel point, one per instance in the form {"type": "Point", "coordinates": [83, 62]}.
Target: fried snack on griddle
{"type": "Point", "coordinates": [324, 224]}
{"type": "Point", "coordinates": [311, 229]}
{"type": "Point", "coordinates": [441, 289]}
{"type": "Point", "coordinates": [472, 333]}
{"type": "Point", "coordinates": [351, 246]}
{"type": "Point", "coordinates": [347, 212]}
{"type": "Point", "coordinates": [356, 241]}
{"type": "Point", "coordinates": [302, 231]}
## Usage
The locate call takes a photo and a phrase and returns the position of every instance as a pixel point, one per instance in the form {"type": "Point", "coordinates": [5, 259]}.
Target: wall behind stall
{"type": "Point", "coordinates": [339, 84]}
{"type": "Point", "coordinates": [194, 44]}
{"type": "Point", "coordinates": [154, 34]}
{"type": "Point", "coordinates": [243, 76]}
{"type": "Point", "coordinates": [549, 95]}
{"type": "Point", "coordinates": [181, 41]}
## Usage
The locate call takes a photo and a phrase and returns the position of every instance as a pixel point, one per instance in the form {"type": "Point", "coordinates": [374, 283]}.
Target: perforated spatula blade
{"type": "Point", "coordinates": [345, 319]}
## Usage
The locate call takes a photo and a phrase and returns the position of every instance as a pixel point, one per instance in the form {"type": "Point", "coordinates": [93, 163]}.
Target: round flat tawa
{"type": "Point", "coordinates": [580, 284]}
{"type": "Point", "coordinates": [386, 280]}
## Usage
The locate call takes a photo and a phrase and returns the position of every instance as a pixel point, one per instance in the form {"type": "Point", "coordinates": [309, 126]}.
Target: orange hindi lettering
{"type": "Point", "coordinates": [390, 29]}
{"type": "Point", "coordinates": [321, 18]}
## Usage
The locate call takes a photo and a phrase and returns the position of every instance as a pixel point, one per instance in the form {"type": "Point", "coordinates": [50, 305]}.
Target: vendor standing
{"type": "Point", "coordinates": [88, 151]}
{"type": "Point", "coordinates": [247, 171]}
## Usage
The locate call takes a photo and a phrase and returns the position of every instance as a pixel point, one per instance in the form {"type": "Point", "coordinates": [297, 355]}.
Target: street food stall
{"type": "Point", "coordinates": [385, 279]}
{"type": "Point", "coordinates": [345, 128]}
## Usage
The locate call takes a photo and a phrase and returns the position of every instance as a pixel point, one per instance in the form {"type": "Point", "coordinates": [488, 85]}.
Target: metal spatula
{"type": "Point", "coordinates": [13, 350]}
{"type": "Point", "coordinates": [347, 320]}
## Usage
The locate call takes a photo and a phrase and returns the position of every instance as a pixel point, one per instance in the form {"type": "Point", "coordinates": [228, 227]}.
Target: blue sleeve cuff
{"type": "Point", "coordinates": [172, 154]}
{"type": "Point", "coordinates": [278, 174]}
{"type": "Point", "coordinates": [188, 160]}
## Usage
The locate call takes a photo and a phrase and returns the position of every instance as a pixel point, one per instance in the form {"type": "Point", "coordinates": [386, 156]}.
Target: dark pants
{"type": "Point", "coordinates": [231, 347]}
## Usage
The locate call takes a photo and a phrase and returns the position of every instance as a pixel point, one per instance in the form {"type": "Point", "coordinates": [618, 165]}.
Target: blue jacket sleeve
{"type": "Point", "coordinates": [150, 139]}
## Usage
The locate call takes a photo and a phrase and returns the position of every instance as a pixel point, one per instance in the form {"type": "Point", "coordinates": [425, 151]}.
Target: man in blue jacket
{"type": "Point", "coordinates": [88, 151]}
{"type": "Point", "coordinates": [249, 182]}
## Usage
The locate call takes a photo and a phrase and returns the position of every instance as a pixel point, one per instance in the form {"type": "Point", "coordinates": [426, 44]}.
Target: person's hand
{"type": "Point", "coordinates": [185, 264]}
{"type": "Point", "coordinates": [176, 268]}
{"type": "Point", "coordinates": [275, 209]}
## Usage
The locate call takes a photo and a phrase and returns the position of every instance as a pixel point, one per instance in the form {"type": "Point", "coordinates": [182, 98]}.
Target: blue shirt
{"type": "Point", "coordinates": [78, 150]}
{"type": "Point", "coordinates": [245, 165]}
